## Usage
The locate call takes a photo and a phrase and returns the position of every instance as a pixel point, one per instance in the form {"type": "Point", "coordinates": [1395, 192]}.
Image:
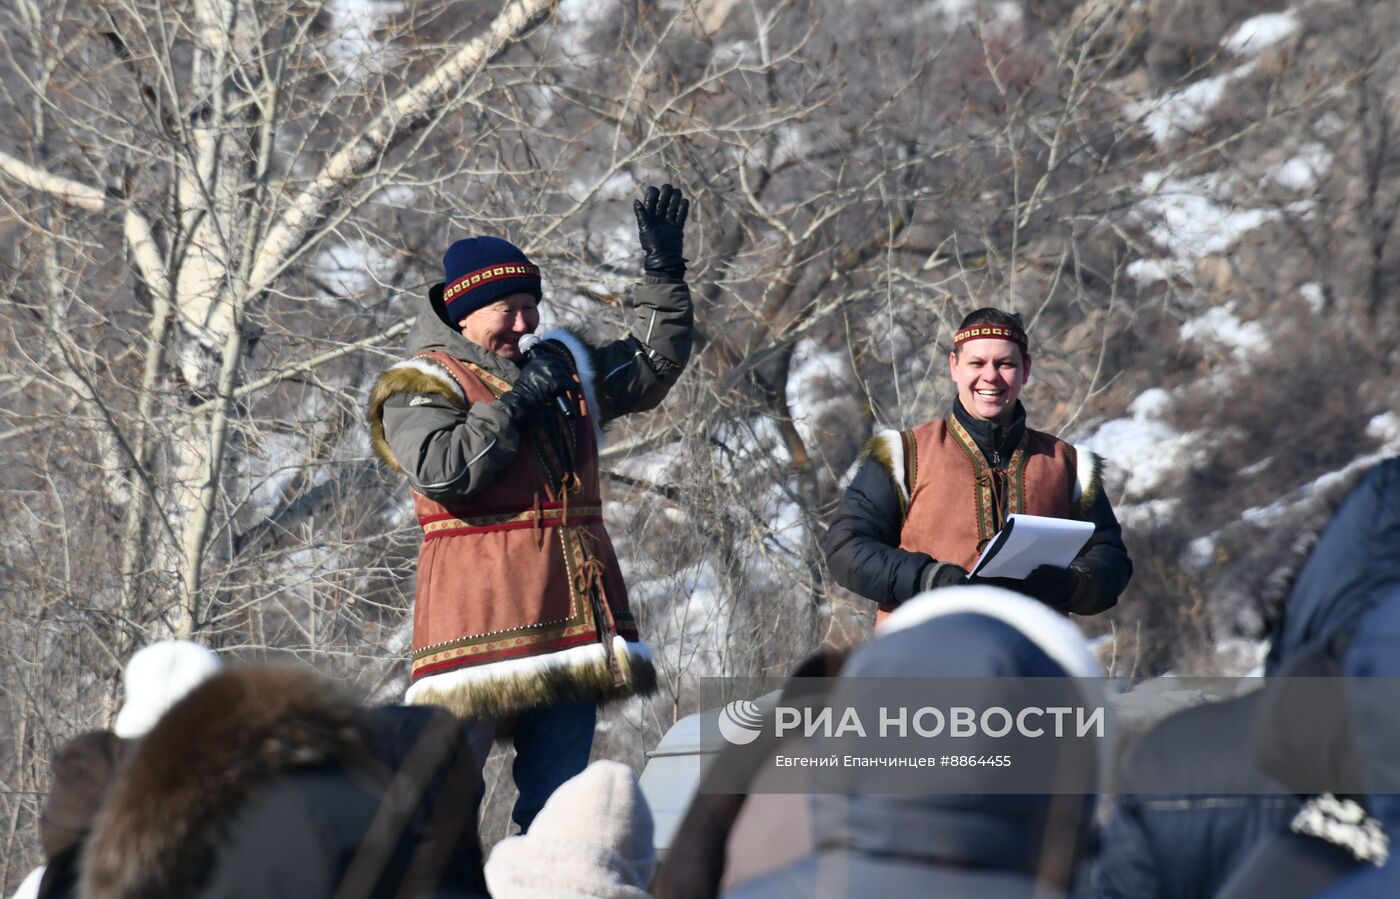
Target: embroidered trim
{"type": "Point", "coordinates": [983, 474]}
{"type": "Point", "coordinates": [496, 385]}
{"type": "Point", "coordinates": [993, 332]}
{"type": "Point", "coordinates": [1016, 468]}
{"type": "Point", "coordinates": [980, 482]}
{"type": "Point", "coordinates": [473, 280]}
{"type": "Point", "coordinates": [911, 460]}
{"type": "Point", "coordinates": [508, 521]}
{"type": "Point", "coordinates": [500, 650]}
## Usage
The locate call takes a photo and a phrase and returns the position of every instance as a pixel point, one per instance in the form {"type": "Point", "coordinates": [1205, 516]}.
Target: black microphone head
{"type": "Point", "coordinates": [528, 342]}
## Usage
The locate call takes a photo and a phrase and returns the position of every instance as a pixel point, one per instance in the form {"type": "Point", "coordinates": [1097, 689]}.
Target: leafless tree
{"type": "Point", "coordinates": [221, 215]}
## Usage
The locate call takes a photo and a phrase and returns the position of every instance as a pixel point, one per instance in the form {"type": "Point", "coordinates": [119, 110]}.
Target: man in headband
{"type": "Point", "coordinates": [926, 501]}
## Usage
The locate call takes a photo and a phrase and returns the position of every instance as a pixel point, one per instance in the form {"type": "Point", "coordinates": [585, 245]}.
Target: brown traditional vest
{"type": "Point", "coordinates": [519, 577]}
{"type": "Point", "coordinates": [957, 502]}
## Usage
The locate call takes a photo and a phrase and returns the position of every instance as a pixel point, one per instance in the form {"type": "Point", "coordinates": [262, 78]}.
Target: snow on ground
{"type": "Point", "coordinates": [654, 466]}
{"type": "Point", "coordinates": [1195, 219]}
{"type": "Point", "coordinates": [1241, 657]}
{"type": "Point", "coordinates": [959, 12]}
{"type": "Point", "coordinates": [1191, 218]}
{"type": "Point", "coordinates": [1200, 552]}
{"type": "Point", "coordinates": [1187, 109]}
{"type": "Point", "coordinates": [687, 619]}
{"type": "Point", "coordinates": [1143, 447]}
{"type": "Point", "coordinates": [576, 20]}
{"type": "Point", "coordinates": [280, 458]}
{"type": "Point", "coordinates": [1313, 295]}
{"type": "Point", "coordinates": [811, 370]}
{"type": "Point", "coordinates": [353, 45]}
{"type": "Point", "coordinates": [1218, 324]}
{"type": "Point", "coordinates": [1254, 34]}
{"type": "Point", "coordinates": [1304, 171]}
{"type": "Point", "coordinates": [352, 268]}
{"type": "Point", "coordinates": [1384, 427]}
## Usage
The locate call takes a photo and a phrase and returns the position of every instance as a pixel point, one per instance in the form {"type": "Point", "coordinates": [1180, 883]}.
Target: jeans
{"type": "Point", "coordinates": [552, 744]}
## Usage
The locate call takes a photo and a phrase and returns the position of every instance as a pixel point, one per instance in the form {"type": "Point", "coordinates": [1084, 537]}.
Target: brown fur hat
{"type": "Point", "coordinates": [161, 825]}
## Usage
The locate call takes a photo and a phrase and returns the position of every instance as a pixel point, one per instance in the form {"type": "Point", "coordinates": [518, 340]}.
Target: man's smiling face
{"type": "Point", "coordinates": [989, 375]}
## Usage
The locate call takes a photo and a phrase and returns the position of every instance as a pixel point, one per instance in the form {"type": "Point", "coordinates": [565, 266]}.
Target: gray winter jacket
{"type": "Point", "coordinates": [448, 453]}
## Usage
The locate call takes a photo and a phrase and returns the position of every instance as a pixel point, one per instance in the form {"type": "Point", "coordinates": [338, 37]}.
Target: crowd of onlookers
{"type": "Point", "coordinates": [270, 780]}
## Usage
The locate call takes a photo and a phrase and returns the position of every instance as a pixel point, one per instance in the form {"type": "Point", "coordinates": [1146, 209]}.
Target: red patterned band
{"type": "Point", "coordinates": [473, 280]}
{"type": "Point", "coordinates": [991, 332]}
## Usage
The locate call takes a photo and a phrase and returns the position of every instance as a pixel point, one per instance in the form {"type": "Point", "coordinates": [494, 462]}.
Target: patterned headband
{"type": "Point", "coordinates": [992, 332]}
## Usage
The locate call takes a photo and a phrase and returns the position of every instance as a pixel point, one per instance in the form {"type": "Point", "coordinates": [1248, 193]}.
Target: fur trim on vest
{"type": "Point", "coordinates": [416, 376]}
{"type": "Point", "coordinates": [162, 823]}
{"type": "Point", "coordinates": [583, 356]}
{"type": "Point", "coordinates": [888, 448]}
{"type": "Point", "coordinates": [580, 672]}
{"type": "Point", "coordinates": [1088, 480]}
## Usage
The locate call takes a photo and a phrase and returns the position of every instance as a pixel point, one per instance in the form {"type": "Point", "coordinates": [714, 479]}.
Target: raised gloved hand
{"type": "Point", "coordinates": [942, 574]}
{"type": "Point", "coordinates": [543, 378]}
{"type": "Point", "coordinates": [661, 231]}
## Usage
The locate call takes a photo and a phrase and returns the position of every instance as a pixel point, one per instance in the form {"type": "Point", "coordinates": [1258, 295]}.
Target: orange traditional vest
{"type": "Point", "coordinates": [520, 579]}
{"type": "Point", "coordinates": [956, 502]}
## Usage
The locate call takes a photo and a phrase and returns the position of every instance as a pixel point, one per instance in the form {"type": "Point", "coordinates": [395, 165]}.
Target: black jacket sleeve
{"type": "Point", "coordinates": [862, 545]}
{"type": "Point", "coordinates": [1104, 563]}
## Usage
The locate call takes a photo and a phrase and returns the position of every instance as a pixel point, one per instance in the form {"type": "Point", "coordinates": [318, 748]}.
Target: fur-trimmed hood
{"type": "Point", "coordinates": [1266, 558]}
{"type": "Point", "coordinates": [163, 821]}
{"type": "Point", "coordinates": [1342, 563]}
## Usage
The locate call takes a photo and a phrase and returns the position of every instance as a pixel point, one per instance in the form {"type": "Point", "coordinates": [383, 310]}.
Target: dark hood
{"type": "Point", "coordinates": [980, 632]}
{"type": "Point", "coordinates": [1372, 667]}
{"type": "Point", "coordinates": [1354, 563]}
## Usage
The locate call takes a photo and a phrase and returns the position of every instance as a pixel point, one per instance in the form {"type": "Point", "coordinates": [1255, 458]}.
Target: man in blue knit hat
{"type": "Point", "coordinates": [521, 620]}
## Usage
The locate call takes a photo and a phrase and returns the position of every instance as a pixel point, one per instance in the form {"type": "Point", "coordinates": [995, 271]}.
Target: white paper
{"type": "Point", "coordinates": [1034, 540]}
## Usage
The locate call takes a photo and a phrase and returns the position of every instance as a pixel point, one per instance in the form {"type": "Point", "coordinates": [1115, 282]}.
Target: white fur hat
{"type": "Point", "coordinates": [159, 676]}
{"type": "Point", "coordinates": [592, 840]}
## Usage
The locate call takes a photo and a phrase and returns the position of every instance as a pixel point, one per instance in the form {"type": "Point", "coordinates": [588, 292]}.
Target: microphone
{"type": "Point", "coordinates": [528, 345]}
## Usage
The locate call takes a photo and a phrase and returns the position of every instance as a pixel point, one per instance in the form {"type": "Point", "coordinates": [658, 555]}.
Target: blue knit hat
{"type": "Point", "coordinates": [478, 271]}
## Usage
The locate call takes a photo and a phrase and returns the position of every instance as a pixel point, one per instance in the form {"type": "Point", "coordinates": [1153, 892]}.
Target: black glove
{"type": "Point", "coordinates": [1051, 584]}
{"type": "Point", "coordinates": [942, 574]}
{"type": "Point", "coordinates": [661, 231]}
{"type": "Point", "coordinates": [543, 378]}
